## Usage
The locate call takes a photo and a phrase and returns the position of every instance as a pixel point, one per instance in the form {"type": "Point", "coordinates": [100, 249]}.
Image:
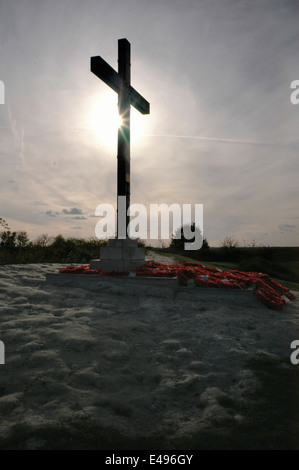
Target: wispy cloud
{"type": "Point", "coordinates": [39, 203]}
{"type": "Point", "coordinates": [287, 227]}
{"type": "Point", "coordinates": [18, 135]}
{"type": "Point", "coordinates": [219, 139]}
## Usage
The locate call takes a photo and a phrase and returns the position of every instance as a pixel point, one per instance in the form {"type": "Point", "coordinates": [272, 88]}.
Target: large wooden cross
{"type": "Point", "coordinates": [121, 83]}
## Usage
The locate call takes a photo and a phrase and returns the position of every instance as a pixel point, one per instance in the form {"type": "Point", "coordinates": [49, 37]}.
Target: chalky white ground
{"type": "Point", "coordinates": [134, 360]}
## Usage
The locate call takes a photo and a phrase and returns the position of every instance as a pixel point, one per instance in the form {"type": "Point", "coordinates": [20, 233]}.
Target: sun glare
{"type": "Point", "coordinates": [104, 120]}
{"type": "Point", "coordinates": [119, 121]}
{"type": "Point", "coordinates": [138, 122]}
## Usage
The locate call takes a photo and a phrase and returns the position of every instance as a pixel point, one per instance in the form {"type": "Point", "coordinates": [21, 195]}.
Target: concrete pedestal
{"type": "Point", "coordinates": [120, 255]}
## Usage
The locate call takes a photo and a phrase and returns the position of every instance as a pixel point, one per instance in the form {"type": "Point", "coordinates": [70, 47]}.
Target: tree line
{"type": "Point", "coordinates": [16, 247]}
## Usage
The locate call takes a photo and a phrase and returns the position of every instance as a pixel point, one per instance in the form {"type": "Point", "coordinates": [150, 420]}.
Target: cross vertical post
{"type": "Point", "coordinates": [120, 82]}
{"type": "Point", "coordinates": [123, 142]}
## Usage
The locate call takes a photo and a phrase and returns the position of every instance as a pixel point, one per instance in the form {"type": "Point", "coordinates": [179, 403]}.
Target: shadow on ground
{"type": "Point", "coordinates": [271, 422]}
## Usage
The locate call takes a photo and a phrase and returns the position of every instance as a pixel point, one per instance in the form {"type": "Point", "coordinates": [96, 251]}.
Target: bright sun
{"type": "Point", "coordinates": [104, 120]}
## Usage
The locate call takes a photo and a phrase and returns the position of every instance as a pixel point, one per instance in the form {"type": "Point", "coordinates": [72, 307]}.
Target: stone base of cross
{"type": "Point", "coordinates": [120, 255]}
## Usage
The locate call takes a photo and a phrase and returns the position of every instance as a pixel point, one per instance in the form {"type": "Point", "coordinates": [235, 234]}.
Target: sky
{"type": "Point", "coordinates": [222, 130]}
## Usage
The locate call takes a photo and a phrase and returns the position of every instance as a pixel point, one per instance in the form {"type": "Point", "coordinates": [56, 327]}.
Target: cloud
{"type": "Point", "coordinates": [38, 203]}
{"type": "Point", "coordinates": [287, 227]}
{"type": "Point", "coordinates": [74, 210]}
{"type": "Point", "coordinates": [51, 213]}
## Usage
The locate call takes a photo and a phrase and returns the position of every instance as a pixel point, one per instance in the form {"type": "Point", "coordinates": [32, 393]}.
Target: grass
{"type": "Point", "coordinates": [182, 259]}
{"type": "Point", "coordinates": [293, 286]}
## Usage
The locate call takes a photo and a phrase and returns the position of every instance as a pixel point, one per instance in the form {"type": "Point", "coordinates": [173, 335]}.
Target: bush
{"type": "Point", "coordinates": [15, 247]}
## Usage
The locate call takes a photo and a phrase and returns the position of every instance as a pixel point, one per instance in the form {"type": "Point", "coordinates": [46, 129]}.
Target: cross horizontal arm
{"type": "Point", "coordinates": [138, 101]}
{"type": "Point", "coordinates": [105, 72]}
